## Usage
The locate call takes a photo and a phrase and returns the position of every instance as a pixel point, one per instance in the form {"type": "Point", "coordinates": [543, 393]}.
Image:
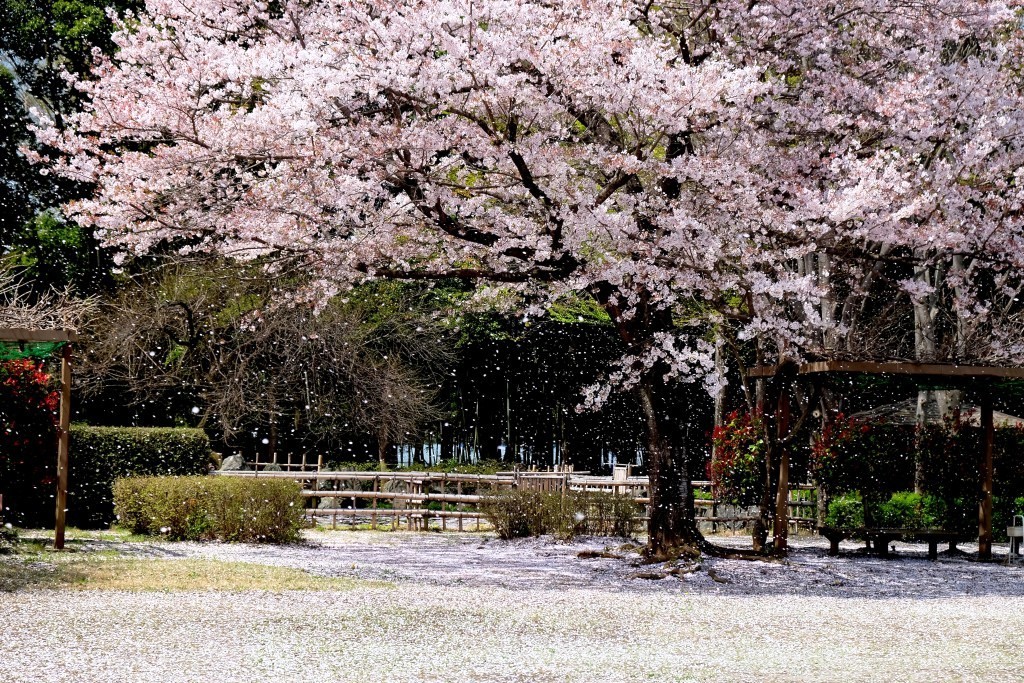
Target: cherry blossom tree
{"type": "Point", "coordinates": [759, 166]}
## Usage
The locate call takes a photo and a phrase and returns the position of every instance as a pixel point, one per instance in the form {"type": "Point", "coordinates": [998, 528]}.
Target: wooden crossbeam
{"type": "Point", "coordinates": [20, 334]}
{"type": "Point", "coordinates": [937, 370]}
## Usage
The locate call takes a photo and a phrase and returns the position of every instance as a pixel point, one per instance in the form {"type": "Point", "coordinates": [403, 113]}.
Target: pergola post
{"type": "Point", "coordinates": [985, 505]}
{"type": "Point", "coordinates": [63, 436]}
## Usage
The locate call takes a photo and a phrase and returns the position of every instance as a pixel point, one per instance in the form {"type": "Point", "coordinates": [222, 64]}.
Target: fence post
{"type": "Point", "coordinates": [444, 481]}
{"type": "Point", "coordinates": [373, 515]}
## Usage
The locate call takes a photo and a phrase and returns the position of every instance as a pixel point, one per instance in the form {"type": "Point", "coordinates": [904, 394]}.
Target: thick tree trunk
{"type": "Point", "coordinates": [272, 437]}
{"type": "Point", "coordinates": [780, 533]}
{"type": "Point", "coordinates": [759, 533]}
{"type": "Point", "coordinates": [719, 416]}
{"type": "Point", "coordinates": [383, 443]}
{"type": "Point", "coordinates": [673, 527]}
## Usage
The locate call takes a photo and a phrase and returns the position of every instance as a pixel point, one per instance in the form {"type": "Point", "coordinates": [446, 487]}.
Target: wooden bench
{"type": "Point", "coordinates": [836, 535]}
{"type": "Point", "coordinates": [878, 539]}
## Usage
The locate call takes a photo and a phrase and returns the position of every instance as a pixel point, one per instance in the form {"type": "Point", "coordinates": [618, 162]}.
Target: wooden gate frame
{"type": "Point", "coordinates": [942, 373]}
{"type": "Point", "coordinates": [68, 337]}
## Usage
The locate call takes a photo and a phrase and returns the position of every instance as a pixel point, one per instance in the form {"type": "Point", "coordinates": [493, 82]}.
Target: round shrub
{"type": "Point", "coordinates": [210, 508]}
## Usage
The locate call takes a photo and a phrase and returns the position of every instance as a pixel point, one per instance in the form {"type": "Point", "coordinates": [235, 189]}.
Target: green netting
{"type": "Point", "coordinates": [19, 350]}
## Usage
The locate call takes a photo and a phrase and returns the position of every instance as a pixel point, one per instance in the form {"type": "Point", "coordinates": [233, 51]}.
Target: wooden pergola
{"type": "Point", "coordinates": [67, 338]}
{"type": "Point", "coordinates": [939, 373]}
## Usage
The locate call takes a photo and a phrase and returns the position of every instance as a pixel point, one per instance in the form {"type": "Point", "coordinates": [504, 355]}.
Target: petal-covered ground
{"type": "Point", "coordinates": [466, 608]}
{"type": "Point", "coordinates": [534, 564]}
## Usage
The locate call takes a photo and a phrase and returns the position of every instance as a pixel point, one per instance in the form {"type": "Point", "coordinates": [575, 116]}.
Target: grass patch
{"type": "Point", "coordinates": [73, 536]}
{"type": "Point", "coordinates": [106, 571]}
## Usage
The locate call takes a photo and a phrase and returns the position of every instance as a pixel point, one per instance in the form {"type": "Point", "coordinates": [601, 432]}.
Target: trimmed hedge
{"type": "Point", "coordinates": [99, 455]}
{"type": "Point", "coordinates": [909, 510]}
{"type": "Point", "coordinates": [210, 508]}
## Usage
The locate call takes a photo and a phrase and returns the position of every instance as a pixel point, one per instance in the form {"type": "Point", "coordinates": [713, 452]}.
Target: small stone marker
{"type": "Point", "coordinates": [233, 463]}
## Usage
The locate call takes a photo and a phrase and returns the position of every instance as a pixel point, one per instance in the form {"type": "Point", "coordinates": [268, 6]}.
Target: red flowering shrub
{"type": "Point", "coordinates": [836, 453]}
{"type": "Point", "coordinates": [737, 472]}
{"type": "Point", "coordinates": [28, 444]}
{"type": "Point", "coordinates": [877, 460]}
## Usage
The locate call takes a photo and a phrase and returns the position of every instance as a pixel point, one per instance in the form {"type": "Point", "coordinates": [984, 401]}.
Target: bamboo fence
{"type": "Point", "coordinates": [416, 499]}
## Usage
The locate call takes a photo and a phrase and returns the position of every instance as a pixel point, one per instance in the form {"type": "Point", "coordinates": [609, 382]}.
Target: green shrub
{"type": "Point", "coordinates": [99, 455]}
{"type": "Point", "coordinates": [903, 510]}
{"type": "Point", "coordinates": [206, 508]}
{"type": "Point", "coordinates": [522, 512]}
{"type": "Point", "coordinates": [455, 466]}
{"type": "Point", "coordinates": [1003, 510]}
{"type": "Point", "coordinates": [844, 511]}
{"type": "Point", "coordinates": [8, 539]}
{"type": "Point", "coordinates": [518, 512]}
{"type": "Point", "coordinates": [909, 510]}
{"type": "Point", "coordinates": [604, 514]}
{"type": "Point", "coordinates": [879, 459]}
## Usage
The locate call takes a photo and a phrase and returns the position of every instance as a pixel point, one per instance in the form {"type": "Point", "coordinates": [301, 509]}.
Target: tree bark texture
{"type": "Point", "coordinates": [780, 532]}
{"type": "Point", "coordinates": [672, 524]}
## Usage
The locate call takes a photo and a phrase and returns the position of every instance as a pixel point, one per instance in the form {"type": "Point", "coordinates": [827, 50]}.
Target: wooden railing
{"type": "Point", "coordinates": [407, 496]}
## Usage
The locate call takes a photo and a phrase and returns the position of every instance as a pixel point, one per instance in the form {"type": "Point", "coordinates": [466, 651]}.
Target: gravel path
{"type": "Point", "coordinates": [535, 564]}
{"type": "Point", "coordinates": [469, 609]}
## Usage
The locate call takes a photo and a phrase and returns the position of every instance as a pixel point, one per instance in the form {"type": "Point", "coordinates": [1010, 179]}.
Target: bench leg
{"type": "Point", "coordinates": [882, 545]}
{"type": "Point", "coordinates": [933, 550]}
{"type": "Point", "coordinates": [833, 546]}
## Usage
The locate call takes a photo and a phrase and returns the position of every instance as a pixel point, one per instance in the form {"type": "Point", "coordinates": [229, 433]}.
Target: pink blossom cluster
{"type": "Point", "coordinates": [762, 164]}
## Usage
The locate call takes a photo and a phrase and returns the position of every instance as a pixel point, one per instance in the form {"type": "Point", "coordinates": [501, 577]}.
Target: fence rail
{"type": "Point", "coordinates": [406, 496]}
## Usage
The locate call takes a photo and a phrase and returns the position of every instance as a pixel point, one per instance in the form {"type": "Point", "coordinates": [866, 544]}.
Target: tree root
{"type": "Point", "coordinates": [673, 554]}
{"type": "Point", "coordinates": [684, 570]}
{"type": "Point", "coordinates": [693, 551]}
{"type": "Point", "coordinates": [718, 551]}
{"type": "Point", "coordinates": [594, 554]}
{"type": "Point", "coordinates": [718, 578]}
{"type": "Point", "coordinates": [651, 576]}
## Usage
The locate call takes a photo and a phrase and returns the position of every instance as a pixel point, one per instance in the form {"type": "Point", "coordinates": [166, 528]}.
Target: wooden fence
{"type": "Point", "coordinates": [416, 498]}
